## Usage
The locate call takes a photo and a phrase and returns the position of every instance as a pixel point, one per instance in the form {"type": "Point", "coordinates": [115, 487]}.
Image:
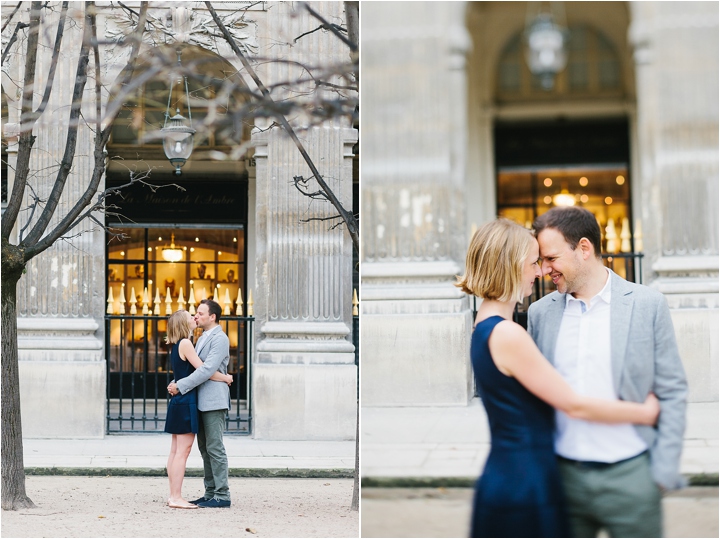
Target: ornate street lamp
{"type": "Point", "coordinates": [545, 54]}
{"type": "Point", "coordinates": [177, 132]}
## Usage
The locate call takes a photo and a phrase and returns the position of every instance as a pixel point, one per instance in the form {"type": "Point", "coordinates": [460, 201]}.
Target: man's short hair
{"type": "Point", "coordinates": [213, 308]}
{"type": "Point", "coordinates": [494, 262]}
{"type": "Point", "coordinates": [573, 223]}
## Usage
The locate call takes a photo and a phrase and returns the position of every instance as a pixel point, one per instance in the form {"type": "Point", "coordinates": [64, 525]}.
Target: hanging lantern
{"type": "Point", "coordinates": [546, 54]}
{"type": "Point", "coordinates": [177, 133]}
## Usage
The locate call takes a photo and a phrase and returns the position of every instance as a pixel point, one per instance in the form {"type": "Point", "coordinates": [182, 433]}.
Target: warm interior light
{"type": "Point", "coordinates": [608, 200]}
{"type": "Point", "coordinates": [583, 181]}
{"type": "Point", "coordinates": [547, 182]}
{"type": "Point", "coordinates": [547, 199]}
{"type": "Point", "coordinates": [564, 198]}
{"type": "Point", "coordinates": [172, 253]}
{"type": "Point", "coordinates": [620, 180]}
{"type": "Point", "coordinates": [584, 198]}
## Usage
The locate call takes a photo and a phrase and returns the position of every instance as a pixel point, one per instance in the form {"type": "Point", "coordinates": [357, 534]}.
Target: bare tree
{"type": "Point", "coordinates": [44, 225]}
{"type": "Point", "coordinates": [40, 235]}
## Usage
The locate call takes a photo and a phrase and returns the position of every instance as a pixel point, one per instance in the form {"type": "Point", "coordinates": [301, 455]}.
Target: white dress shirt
{"type": "Point", "coordinates": [582, 356]}
{"type": "Point", "coordinates": [205, 335]}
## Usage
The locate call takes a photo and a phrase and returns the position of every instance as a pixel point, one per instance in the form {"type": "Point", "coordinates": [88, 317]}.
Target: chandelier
{"type": "Point", "coordinates": [172, 253]}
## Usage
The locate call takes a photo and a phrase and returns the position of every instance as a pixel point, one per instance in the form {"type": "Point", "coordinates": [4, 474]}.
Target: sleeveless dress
{"type": "Point", "coordinates": [182, 413]}
{"type": "Point", "coordinates": [519, 493]}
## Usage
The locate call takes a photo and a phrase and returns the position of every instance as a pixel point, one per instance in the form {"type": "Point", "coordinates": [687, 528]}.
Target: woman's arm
{"type": "Point", "coordinates": [187, 353]}
{"type": "Point", "coordinates": [516, 355]}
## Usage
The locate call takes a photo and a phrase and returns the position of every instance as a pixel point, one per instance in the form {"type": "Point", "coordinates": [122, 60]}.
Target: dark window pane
{"type": "Point", "coordinates": [609, 74]}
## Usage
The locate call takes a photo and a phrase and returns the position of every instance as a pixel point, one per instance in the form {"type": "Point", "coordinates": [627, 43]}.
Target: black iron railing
{"type": "Point", "coordinates": [138, 372]}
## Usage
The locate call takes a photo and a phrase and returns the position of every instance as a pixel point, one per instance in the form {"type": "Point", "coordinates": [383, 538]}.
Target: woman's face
{"type": "Point", "coordinates": [191, 321]}
{"type": "Point", "coordinates": [531, 268]}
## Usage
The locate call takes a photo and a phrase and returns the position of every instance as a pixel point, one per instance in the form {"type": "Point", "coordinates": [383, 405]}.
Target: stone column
{"type": "Point", "coordinates": [413, 213]}
{"type": "Point", "coordinates": [304, 373]}
{"type": "Point", "coordinates": [676, 56]}
{"type": "Point", "coordinates": [60, 298]}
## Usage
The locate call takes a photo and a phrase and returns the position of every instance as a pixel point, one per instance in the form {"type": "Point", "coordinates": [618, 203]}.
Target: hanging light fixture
{"type": "Point", "coordinates": [564, 198]}
{"type": "Point", "coordinates": [545, 39]}
{"type": "Point", "coordinates": [172, 253]}
{"type": "Point", "coordinates": [177, 132]}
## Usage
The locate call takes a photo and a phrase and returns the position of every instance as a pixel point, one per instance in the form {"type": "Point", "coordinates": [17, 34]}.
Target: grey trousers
{"type": "Point", "coordinates": [212, 449]}
{"type": "Point", "coordinates": [622, 498]}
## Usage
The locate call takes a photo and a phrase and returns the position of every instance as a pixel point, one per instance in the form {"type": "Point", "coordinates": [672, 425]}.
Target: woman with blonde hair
{"type": "Point", "coordinates": [519, 493]}
{"type": "Point", "coordinates": [182, 413]}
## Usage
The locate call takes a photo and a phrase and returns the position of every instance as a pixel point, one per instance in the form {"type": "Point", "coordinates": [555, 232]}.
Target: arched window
{"type": "Point", "coordinates": [136, 128]}
{"type": "Point", "coordinates": [593, 70]}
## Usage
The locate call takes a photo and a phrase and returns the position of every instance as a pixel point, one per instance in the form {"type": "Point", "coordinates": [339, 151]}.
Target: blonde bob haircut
{"type": "Point", "coordinates": [178, 327]}
{"type": "Point", "coordinates": [494, 262]}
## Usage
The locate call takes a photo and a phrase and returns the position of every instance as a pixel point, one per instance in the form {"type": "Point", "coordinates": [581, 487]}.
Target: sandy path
{"type": "Point", "coordinates": [135, 507]}
{"type": "Point", "coordinates": [426, 512]}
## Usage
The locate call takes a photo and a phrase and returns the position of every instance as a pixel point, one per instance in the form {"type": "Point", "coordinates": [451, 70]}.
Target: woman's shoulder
{"type": "Point", "coordinates": [510, 332]}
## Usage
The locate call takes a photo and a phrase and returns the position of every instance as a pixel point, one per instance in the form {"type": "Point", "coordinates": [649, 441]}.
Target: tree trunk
{"type": "Point", "coordinates": [13, 471]}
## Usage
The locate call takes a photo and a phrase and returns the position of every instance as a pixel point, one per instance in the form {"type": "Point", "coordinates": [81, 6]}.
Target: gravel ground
{"type": "Point", "coordinates": [440, 512]}
{"type": "Point", "coordinates": [136, 507]}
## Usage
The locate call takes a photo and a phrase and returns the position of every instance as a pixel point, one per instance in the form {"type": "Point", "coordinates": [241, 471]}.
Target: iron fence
{"type": "Point", "coordinates": [139, 370]}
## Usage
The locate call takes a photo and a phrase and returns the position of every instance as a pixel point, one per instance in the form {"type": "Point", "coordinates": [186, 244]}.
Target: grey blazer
{"type": "Point", "coordinates": [215, 353]}
{"type": "Point", "coordinates": [644, 358]}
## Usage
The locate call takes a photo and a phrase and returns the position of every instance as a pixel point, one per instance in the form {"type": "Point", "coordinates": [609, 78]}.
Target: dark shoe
{"type": "Point", "coordinates": [203, 499]}
{"type": "Point", "coordinates": [215, 502]}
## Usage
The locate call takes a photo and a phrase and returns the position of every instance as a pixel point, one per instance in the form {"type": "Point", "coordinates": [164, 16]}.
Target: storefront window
{"type": "Point", "coordinates": [524, 194]}
{"type": "Point", "coordinates": [152, 266]}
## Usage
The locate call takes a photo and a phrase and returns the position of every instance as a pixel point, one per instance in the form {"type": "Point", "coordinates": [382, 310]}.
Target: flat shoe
{"type": "Point", "coordinates": [214, 503]}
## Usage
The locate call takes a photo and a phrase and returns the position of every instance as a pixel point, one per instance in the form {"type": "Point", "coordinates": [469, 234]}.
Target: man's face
{"type": "Point", "coordinates": [203, 318]}
{"type": "Point", "coordinates": [563, 264]}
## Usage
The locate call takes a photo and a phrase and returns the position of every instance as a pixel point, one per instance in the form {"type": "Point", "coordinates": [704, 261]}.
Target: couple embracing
{"type": "Point", "coordinates": [587, 408]}
{"type": "Point", "coordinates": [200, 401]}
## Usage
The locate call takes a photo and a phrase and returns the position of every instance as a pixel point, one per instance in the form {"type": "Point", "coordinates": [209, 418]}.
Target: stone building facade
{"type": "Point", "coordinates": [303, 374]}
{"type": "Point", "coordinates": [449, 113]}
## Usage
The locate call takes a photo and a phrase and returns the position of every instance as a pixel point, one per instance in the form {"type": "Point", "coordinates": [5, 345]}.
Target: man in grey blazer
{"type": "Point", "coordinates": [213, 347]}
{"type": "Point", "coordinates": [613, 339]}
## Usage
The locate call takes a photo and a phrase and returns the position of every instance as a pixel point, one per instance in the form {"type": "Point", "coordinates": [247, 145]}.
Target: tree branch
{"type": "Point", "coordinates": [331, 27]}
{"type": "Point", "coordinates": [26, 139]}
{"type": "Point", "coordinates": [100, 141]}
{"type": "Point", "coordinates": [347, 216]}
{"type": "Point", "coordinates": [321, 27]}
{"type": "Point", "coordinates": [18, 27]}
{"type": "Point", "coordinates": [71, 140]}
{"type": "Point", "coordinates": [11, 17]}
{"type": "Point", "coordinates": [54, 62]}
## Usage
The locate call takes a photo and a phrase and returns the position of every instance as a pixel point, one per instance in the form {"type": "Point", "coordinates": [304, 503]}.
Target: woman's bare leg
{"type": "Point", "coordinates": [171, 459]}
{"type": "Point", "coordinates": [176, 466]}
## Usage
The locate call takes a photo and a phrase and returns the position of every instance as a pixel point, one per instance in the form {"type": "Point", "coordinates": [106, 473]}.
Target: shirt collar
{"type": "Point", "coordinates": [604, 294]}
{"type": "Point", "coordinates": [209, 331]}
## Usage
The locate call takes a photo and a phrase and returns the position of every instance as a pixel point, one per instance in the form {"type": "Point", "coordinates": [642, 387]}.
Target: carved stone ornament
{"type": "Point", "coordinates": [186, 25]}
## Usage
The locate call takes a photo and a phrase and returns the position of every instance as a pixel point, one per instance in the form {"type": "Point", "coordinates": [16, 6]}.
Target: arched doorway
{"type": "Point", "coordinates": [531, 148]}
{"type": "Point", "coordinates": [175, 240]}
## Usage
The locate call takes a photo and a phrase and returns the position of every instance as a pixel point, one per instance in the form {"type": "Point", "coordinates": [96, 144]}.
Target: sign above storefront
{"type": "Point", "coordinates": [194, 199]}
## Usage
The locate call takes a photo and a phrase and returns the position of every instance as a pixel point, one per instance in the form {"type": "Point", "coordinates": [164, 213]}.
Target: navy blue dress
{"type": "Point", "coordinates": [182, 413]}
{"type": "Point", "coordinates": [519, 493]}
